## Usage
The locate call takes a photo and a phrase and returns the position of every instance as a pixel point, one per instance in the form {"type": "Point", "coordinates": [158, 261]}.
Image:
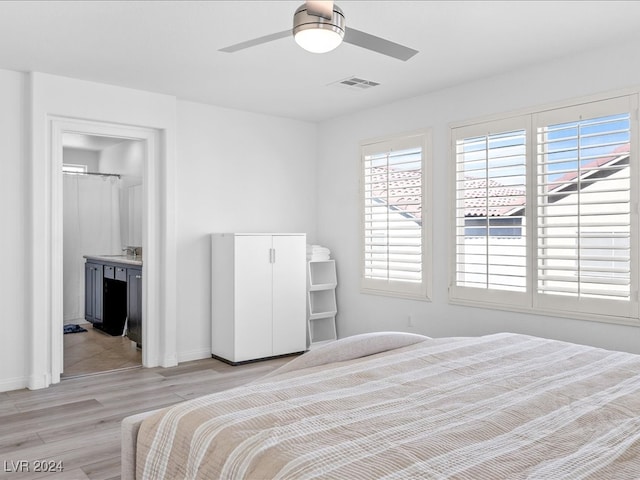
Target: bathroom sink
{"type": "Point", "coordinates": [137, 260]}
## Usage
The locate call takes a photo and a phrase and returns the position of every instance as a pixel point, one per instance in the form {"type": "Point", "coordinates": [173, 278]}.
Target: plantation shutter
{"type": "Point", "coordinates": [585, 219]}
{"type": "Point", "coordinates": [393, 190]}
{"type": "Point", "coordinates": [490, 212]}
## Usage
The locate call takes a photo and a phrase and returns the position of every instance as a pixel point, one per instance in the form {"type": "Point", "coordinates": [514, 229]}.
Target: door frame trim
{"type": "Point", "coordinates": [47, 336]}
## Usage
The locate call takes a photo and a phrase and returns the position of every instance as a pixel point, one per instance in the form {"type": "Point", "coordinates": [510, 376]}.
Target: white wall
{"type": "Point", "coordinates": [14, 236]}
{"type": "Point", "coordinates": [338, 184]}
{"type": "Point", "coordinates": [79, 156]}
{"type": "Point", "coordinates": [126, 159]}
{"type": "Point", "coordinates": [237, 172]}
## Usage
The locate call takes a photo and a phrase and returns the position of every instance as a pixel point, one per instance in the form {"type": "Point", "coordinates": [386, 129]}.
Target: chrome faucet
{"type": "Point", "coordinates": [130, 251]}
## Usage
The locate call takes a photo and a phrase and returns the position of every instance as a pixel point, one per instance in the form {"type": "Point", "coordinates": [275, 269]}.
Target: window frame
{"type": "Point", "coordinates": [530, 301]}
{"type": "Point", "coordinates": [401, 289]}
{"type": "Point", "coordinates": [75, 168]}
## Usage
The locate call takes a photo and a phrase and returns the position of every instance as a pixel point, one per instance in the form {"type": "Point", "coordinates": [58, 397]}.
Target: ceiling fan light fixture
{"type": "Point", "coordinates": [318, 34]}
{"type": "Point", "coordinates": [318, 40]}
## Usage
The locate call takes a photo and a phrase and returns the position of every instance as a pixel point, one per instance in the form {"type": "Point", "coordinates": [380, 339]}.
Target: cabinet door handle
{"type": "Point", "coordinates": [138, 276]}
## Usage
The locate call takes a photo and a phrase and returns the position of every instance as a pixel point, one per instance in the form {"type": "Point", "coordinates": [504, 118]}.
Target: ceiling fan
{"type": "Point", "coordinates": [319, 27]}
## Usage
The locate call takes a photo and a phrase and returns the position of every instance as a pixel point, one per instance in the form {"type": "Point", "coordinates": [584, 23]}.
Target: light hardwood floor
{"type": "Point", "coordinates": [77, 422]}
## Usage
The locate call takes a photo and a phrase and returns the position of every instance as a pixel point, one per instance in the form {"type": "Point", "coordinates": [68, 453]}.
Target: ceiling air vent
{"type": "Point", "coordinates": [355, 83]}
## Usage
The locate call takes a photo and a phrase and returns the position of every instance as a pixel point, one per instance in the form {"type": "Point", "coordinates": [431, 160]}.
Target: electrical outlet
{"type": "Point", "coordinates": [410, 321]}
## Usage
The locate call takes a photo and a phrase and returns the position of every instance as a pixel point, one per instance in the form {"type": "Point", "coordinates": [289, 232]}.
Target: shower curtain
{"type": "Point", "coordinates": [91, 223]}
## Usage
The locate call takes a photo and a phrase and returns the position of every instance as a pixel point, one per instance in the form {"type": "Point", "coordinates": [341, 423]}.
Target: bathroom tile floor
{"type": "Point", "coordinates": [94, 351]}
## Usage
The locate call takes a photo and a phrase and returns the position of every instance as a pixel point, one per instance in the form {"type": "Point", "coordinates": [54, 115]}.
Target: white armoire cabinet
{"type": "Point", "coordinates": [258, 291]}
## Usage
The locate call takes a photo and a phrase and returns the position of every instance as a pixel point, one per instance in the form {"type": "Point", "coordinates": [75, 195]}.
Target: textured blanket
{"type": "Point", "coordinates": [496, 407]}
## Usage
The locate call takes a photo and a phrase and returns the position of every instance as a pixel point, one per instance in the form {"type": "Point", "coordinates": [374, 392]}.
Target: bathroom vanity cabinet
{"type": "Point", "coordinates": [113, 295]}
{"type": "Point", "coordinates": [134, 304]}
{"type": "Point", "coordinates": [93, 274]}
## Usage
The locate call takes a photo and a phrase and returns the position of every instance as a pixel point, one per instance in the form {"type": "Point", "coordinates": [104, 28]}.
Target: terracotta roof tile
{"type": "Point", "coordinates": [404, 189]}
{"type": "Point", "coordinates": [502, 199]}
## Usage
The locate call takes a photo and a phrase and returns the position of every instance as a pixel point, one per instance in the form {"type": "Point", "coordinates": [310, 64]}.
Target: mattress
{"type": "Point", "coordinates": [501, 406]}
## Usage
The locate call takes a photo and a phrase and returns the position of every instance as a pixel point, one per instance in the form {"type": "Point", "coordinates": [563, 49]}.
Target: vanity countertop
{"type": "Point", "coordinates": [126, 259]}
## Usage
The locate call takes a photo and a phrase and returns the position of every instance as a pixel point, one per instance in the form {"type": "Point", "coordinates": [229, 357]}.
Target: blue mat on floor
{"type": "Point", "coordinates": [73, 328]}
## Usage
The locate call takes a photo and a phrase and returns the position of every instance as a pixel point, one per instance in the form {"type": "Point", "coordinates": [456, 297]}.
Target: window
{"type": "Point", "coordinates": [396, 256]}
{"type": "Point", "coordinates": [491, 240]}
{"type": "Point", "coordinates": [563, 176]}
{"type": "Point", "coordinates": [74, 168]}
{"type": "Point", "coordinates": [584, 208]}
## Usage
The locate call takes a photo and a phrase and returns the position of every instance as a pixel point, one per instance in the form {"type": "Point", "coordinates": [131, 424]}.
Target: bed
{"type": "Point", "coordinates": [398, 406]}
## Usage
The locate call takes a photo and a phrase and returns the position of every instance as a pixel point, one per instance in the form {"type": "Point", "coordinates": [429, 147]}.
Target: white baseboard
{"type": "Point", "coordinates": [194, 355]}
{"type": "Point", "coordinates": [17, 383]}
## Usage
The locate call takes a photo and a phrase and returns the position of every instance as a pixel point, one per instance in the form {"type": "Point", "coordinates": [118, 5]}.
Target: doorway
{"type": "Point", "coordinates": [156, 287]}
{"type": "Point", "coordinates": [102, 218]}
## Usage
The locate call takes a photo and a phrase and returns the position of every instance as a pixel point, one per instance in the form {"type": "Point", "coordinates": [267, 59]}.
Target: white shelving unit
{"type": "Point", "coordinates": [321, 302]}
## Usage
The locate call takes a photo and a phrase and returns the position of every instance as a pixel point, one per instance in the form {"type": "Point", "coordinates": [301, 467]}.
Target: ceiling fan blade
{"type": "Point", "coordinates": [377, 44]}
{"type": "Point", "coordinates": [255, 41]}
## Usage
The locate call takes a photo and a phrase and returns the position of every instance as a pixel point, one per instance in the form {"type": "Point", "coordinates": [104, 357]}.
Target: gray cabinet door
{"type": "Point", "coordinates": [93, 277]}
{"type": "Point", "coordinates": [134, 304]}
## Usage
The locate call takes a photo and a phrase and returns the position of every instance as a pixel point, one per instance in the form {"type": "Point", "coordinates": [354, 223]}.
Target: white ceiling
{"type": "Point", "coordinates": [171, 47]}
